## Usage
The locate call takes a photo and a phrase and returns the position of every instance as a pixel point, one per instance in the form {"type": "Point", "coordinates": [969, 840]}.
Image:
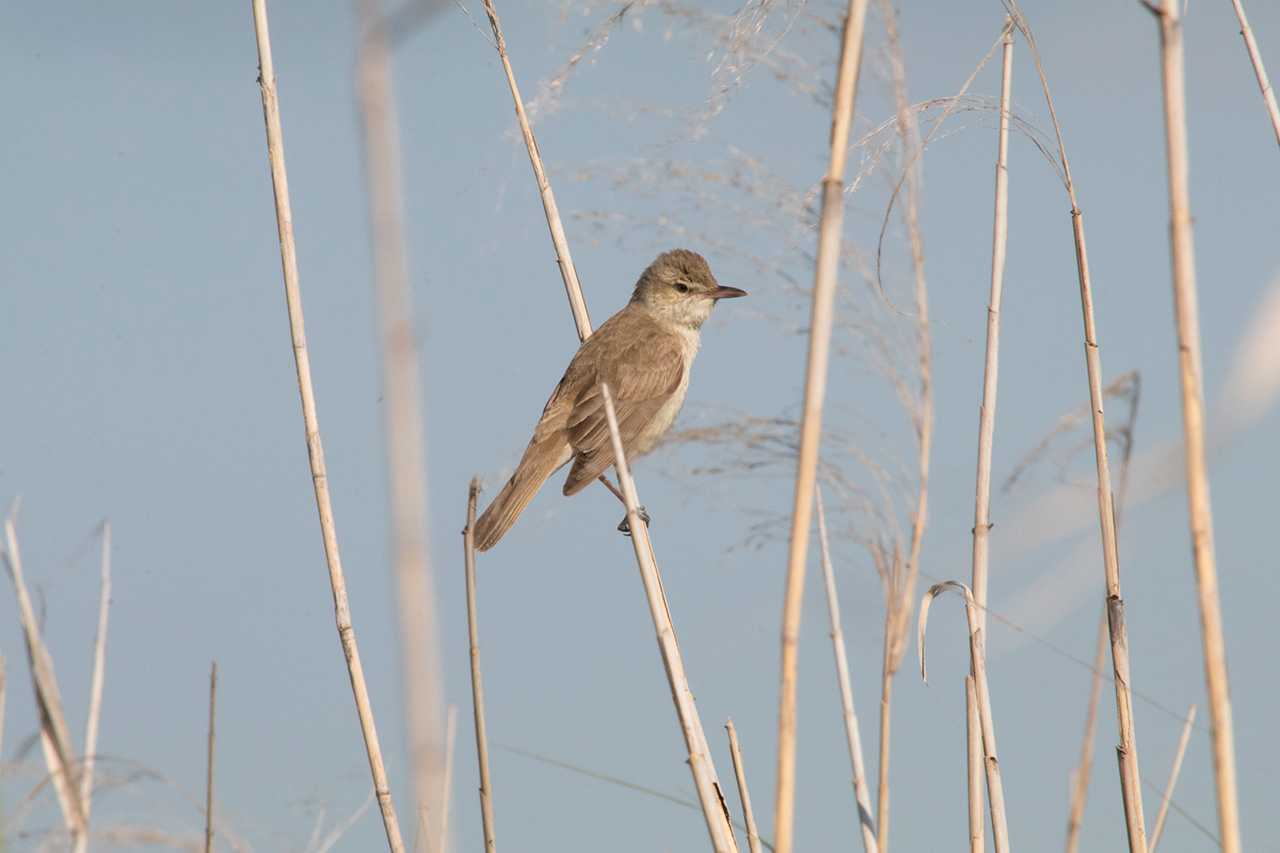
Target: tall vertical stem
{"type": "Point", "coordinates": [1191, 379]}
{"type": "Point", "coordinates": [311, 424]}
{"type": "Point", "coordinates": [987, 412]}
{"type": "Point", "coordinates": [1127, 749]}
{"type": "Point", "coordinates": [1080, 779]}
{"type": "Point", "coordinates": [861, 797]}
{"type": "Point", "coordinates": [477, 684]}
{"type": "Point", "coordinates": [973, 766]}
{"type": "Point", "coordinates": [402, 418]}
{"type": "Point", "coordinates": [824, 286]}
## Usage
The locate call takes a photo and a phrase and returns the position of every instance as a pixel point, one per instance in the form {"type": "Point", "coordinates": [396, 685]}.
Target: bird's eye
{"type": "Point", "coordinates": [682, 287]}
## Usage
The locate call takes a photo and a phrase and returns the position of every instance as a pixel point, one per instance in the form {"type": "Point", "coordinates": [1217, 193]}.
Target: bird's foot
{"type": "Point", "coordinates": [624, 526]}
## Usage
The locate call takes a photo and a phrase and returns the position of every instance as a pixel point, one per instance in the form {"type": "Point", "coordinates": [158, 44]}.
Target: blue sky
{"type": "Point", "coordinates": [148, 379]}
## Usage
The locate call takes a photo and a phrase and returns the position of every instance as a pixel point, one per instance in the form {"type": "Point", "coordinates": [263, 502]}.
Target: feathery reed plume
{"type": "Point", "coordinates": [1259, 70]}
{"type": "Point", "coordinates": [55, 737]}
{"type": "Point", "coordinates": [705, 782]}
{"type": "Point", "coordinates": [311, 424]}
{"type": "Point", "coordinates": [1127, 749]}
{"type": "Point", "coordinates": [978, 671]}
{"type": "Point", "coordinates": [208, 778]}
{"type": "Point", "coordinates": [1191, 380]}
{"type": "Point", "coordinates": [900, 589]}
{"type": "Point", "coordinates": [861, 798]}
{"type": "Point", "coordinates": [991, 364]}
{"type": "Point", "coordinates": [973, 766]}
{"type": "Point", "coordinates": [477, 685]}
{"type": "Point", "coordinates": [96, 680]}
{"type": "Point", "coordinates": [1165, 800]}
{"type": "Point", "coordinates": [824, 286]}
{"type": "Point", "coordinates": [748, 815]}
{"type": "Point", "coordinates": [572, 288]}
{"type": "Point", "coordinates": [1081, 775]}
{"type": "Point", "coordinates": [402, 419]}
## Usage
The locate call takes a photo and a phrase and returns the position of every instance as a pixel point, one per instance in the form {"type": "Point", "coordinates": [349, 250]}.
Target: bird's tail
{"type": "Point", "coordinates": [539, 462]}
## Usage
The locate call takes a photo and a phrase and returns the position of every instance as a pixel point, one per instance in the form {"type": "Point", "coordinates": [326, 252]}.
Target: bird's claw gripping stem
{"type": "Point", "coordinates": [624, 526]}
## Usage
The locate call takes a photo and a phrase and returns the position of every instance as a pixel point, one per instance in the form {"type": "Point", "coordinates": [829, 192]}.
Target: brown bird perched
{"type": "Point", "coordinates": [644, 353]}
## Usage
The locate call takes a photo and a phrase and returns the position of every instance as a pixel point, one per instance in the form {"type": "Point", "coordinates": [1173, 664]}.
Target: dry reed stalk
{"type": "Point", "coordinates": [700, 765]}
{"type": "Point", "coordinates": [311, 424]}
{"type": "Point", "coordinates": [862, 798]}
{"type": "Point", "coordinates": [825, 272]}
{"type": "Point", "coordinates": [1259, 70]}
{"type": "Point", "coordinates": [96, 681]}
{"type": "Point", "coordinates": [477, 685]}
{"type": "Point", "coordinates": [1082, 774]}
{"type": "Point", "coordinates": [572, 289]}
{"type": "Point", "coordinates": [991, 368]}
{"type": "Point", "coordinates": [208, 778]}
{"type": "Point", "coordinates": [450, 736]}
{"type": "Point", "coordinates": [740, 773]}
{"type": "Point", "coordinates": [973, 767]}
{"type": "Point", "coordinates": [1127, 750]}
{"type": "Point", "coordinates": [1191, 376]}
{"type": "Point", "coordinates": [331, 840]}
{"type": "Point", "coordinates": [402, 420]}
{"type": "Point", "coordinates": [577, 303]}
{"type": "Point", "coordinates": [978, 670]}
{"type": "Point", "coordinates": [902, 581]}
{"type": "Point", "coordinates": [55, 737]}
{"type": "Point", "coordinates": [1167, 798]}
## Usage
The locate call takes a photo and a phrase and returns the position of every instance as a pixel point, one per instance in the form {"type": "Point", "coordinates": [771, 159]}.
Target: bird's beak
{"type": "Point", "coordinates": [727, 293]}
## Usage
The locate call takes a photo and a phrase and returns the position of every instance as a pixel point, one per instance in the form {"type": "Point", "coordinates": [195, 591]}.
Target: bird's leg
{"type": "Point", "coordinates": [624, 526]}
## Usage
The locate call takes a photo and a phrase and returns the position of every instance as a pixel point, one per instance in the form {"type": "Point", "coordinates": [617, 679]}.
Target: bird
{"type": "Point", "coordinates": [644, 353]}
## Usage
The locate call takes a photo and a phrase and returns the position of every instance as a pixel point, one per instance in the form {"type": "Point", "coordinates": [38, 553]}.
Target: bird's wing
{"type": "Point", "coordinates": [641, 377]}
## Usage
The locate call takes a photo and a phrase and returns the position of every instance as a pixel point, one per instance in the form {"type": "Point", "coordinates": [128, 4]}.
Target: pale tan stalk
{"type": "Point", "coordinates": [978, 670]}
{"type": "Point", "coordinates": [577, 304]}
{"type": "Point", "coordinates": [315, 450]}
{"type": "Point", "coordinates": [700, 765]}
{"type": "Point", "coordinates": [887, 671]}
{"type": "Point", "coordinates": [901, 587]}
{"type": "Point", "coordinates": [477, 685]}
{"type": "Point", "coordinates": [55, 737]}
{"type": "Point", "coordinates": [1083, 772]}
{"type": "Point", "coordinates": [572, 289]}
{"type": "Point", "coordinates": [1191, 376]}
{"type": "Point", "coordinates": [1259, 70]}
{"type": "Point", "coordinates": [824, 286]}
{"type": "Point", "coordinates": [402, 420]}
{"type": "Point", "coordinates": [748, 815]}
{"type": "Point", "coordinates": [568, 272]}
{"type": "Point", "coordinates": [1127, 749]}
{"type": "Point", "coordinates": [1174, 771]}
{"type": "Point", "coordinates": [974, 766]}
{"type": "Point", "coordinates": [209, 750]}
{"type": "Point", "coordinates": [450, 736]}
{"type": "Point", "coordinates": [96, 681]}
{"type": "Point", "coordinates": [991, 368]}
{"type": "Point", "coordinates": [862, 799]}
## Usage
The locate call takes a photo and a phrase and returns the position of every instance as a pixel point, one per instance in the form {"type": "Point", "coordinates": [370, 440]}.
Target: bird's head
{"type": "Point", "coordinates": [678, 287]}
